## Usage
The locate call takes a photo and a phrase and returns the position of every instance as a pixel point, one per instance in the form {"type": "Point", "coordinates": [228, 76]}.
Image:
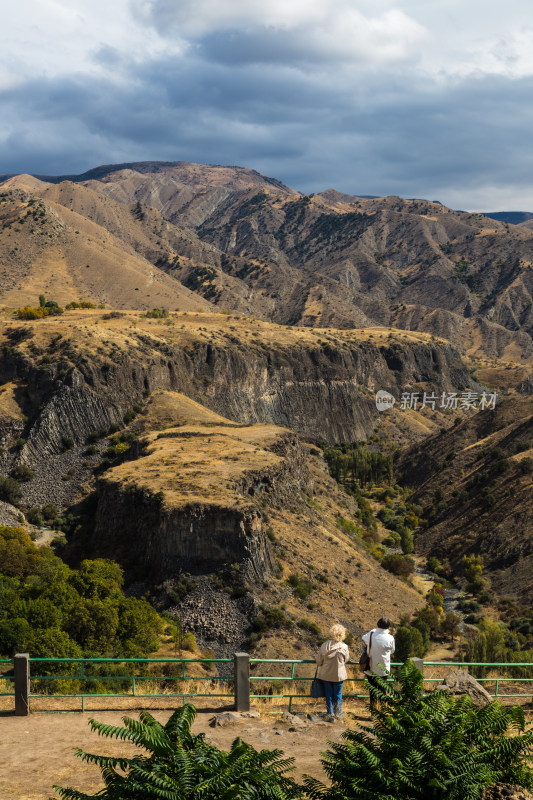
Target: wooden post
{"type": "Point", "coordinates": [241, 663]}
{"type": "Point", "coordinates": [21, 671]}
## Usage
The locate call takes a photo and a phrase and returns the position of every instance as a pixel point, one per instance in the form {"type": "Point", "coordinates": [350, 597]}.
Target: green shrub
{"type": "Point", "coordinates": [70, 612]}
{"type": "Point", "coordinates": [409, 643]}
{"type": "Point", "coordinates": [157, 313]}
{"type": "Point", "coordinates": [406, 541]}
{"type": "Point", "coordinates": [427, 746]}
{"type": "Point", "coordinates": [22, 472]}
{"type": "Point", "coordinates": [310, 627]}
{"type": "Point", "coordinates": [189, 642]}
{"type": "Point", "coordinates": [398, 565]}
{"type": "Point", "coordinates": [49, 512]}
{"type": "Point", "coordinates": [10, 491]}
{"type": "Point", "coordinates": [35, 517]}
{"type": "Point", "coordinates": [301, 587]}
{"type": "Point", "coordinates": [175, 765]}
{"type": "Point", "coordinates": [271, 618]}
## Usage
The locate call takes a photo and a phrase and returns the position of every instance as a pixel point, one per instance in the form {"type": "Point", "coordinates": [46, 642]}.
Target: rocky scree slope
{"type": "Point", "coordinates": [475, 482]}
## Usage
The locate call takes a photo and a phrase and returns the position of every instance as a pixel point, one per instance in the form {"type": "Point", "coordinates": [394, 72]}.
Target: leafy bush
{"type": "Point", "coordinates": [427, 746]}
{"type": "Point", "coordinates": [10, 491]}
{"type": "Point", "coordinates": [271, 618]}
{"type": "Point", "coordinates": [82, 304]}
{"type": "Point", "coordinates": [157, 313]}
{"type": "Point", "coordinates": [45, 308]}
{"type": "Point", "coordinates": [22, 472]}
{"type": "Point", "coordinates": [398, 565]}
{"type": "Point", "coordinates": [35, 517]}
{"type": "Point", "coordinates": [49, 512]}
{"type": "Point", "coordinates": [409, 643]}
{"type": "Point", "coordinates": [311, 627]}
{"type": "Point", "coordinates": [406, 541]}
{"type": "Point", "coordinates": [53, 610]}
{"type": "Point", "coordinates": [175, 765]}
{"type": "Point", "coordinates": [301, 587]}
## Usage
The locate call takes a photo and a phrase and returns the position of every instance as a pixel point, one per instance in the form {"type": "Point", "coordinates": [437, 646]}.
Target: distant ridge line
{"type": "Point", "coordinates": [143, 168]}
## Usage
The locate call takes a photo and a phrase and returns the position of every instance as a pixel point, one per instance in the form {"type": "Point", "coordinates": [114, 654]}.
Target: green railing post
{"type": "Point", "coordinates": [292, 678]}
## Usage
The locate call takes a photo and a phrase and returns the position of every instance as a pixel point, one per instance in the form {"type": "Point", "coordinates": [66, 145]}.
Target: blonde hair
{"type": "Point", "coordinates": [337, 632]}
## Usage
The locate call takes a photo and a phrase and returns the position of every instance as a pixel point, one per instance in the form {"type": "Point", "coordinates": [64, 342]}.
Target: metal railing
{"type": "Point", "coordinates": [6, 665]}
{"type": "Point", "coordinates": [52, 677]}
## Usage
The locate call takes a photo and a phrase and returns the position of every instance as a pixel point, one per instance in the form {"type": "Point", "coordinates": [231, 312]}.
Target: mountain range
{"type": "Point", "coordinates": [278, 316]}
{"type": "Point", "coordinates": [245, 242]}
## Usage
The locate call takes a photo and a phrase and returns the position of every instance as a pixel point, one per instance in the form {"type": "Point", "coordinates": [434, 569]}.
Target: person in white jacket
{"type": "Point", "coordinates": [331, 660]}
{"type": "Point", "coordinates": [381, 648]}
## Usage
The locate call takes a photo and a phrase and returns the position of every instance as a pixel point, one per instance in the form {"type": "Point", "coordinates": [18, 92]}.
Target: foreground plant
{"type": "Point", "coordinates": [431, 747]}
{"type": "Point", "coordinates": [179, 766]}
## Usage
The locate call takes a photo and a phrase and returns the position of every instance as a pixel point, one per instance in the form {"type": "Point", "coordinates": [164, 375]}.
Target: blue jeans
{"type": "Point", "coordinates": [333, 696]}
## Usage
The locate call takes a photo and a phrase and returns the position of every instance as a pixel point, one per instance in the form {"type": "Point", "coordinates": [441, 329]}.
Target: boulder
{"type": "Point", "coordinates": [293, 719]}
{"type": "Point", "coordinates": [250, 714]}
{"type": "Point", "coordinates": [459, 682]}
{"type": "Point", "coordinates": [225, 719]}
{"type": "Point", "coordinates": [503, 791]}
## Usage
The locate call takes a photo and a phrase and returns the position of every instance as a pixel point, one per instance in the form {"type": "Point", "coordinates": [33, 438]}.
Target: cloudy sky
{"type": "Point", "coordinates": [421, 98]}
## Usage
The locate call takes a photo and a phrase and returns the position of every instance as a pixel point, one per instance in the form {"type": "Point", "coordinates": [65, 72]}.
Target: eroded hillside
{"type": "Point", "coordinates": [245, 242]}
{"type": "Point", "coordinates": [475, 482]}
{"type": "Point", "coordinates": [233, 512]}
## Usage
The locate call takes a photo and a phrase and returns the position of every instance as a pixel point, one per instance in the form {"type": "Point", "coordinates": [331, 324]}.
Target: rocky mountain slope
{"type": "Point", "coordinates": [239, 510]}
{"type": "Point", "coordinates": [475, 482]}
{"type": "Point", "coordinates": [325, 299]}
{"type": "Point", "coordinates": [246, 242]}
{"type": "Point", "coordinates": [75, 374]}
{"type": "Point", "coordinates": [207, 495]}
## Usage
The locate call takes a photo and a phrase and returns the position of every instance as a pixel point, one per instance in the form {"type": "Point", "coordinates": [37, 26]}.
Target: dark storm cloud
{"type": "Point", "coordinates": [376, 132]}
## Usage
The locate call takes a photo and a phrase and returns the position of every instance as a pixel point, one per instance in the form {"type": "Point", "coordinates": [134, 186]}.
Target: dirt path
{"type": "Point", "coordinates": [37, 752]}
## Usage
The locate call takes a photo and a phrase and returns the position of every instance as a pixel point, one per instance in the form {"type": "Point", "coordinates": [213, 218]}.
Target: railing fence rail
{"type": "Point", "coordinates": [34, 678]}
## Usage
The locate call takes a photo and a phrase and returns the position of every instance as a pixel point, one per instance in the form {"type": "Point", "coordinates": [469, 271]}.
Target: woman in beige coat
{"type": "Point", "coordinates": [331, 660]}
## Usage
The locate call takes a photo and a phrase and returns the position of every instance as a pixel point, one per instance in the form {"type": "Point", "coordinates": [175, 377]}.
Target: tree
{"type": "Point", "coordinates": [406, 540]}
{"type": "Point", "coordinates": [426, 747]}
{"type": "Point", "coordinates": [398, 565]}
{"type": "Point", "coordinates": [450, 625]}
{"type": "Point", "coordinates": [472, 570]}
{"type": "Point", "coordinates": [409, 643]}
{"type": "Point", "coordinates": [10, 490]}
{"type": "Point", "coordinates": [176, 765]}
{"type": "Point", "coordinates": [98, 578]}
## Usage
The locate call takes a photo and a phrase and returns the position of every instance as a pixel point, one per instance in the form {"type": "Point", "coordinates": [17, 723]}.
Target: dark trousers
{"type": "Point", "coordinates": [333, 696]}
{"type": "Point", "coordinates": [373, 685]}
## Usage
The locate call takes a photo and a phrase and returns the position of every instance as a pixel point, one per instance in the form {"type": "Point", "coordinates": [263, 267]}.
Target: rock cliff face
{"type": "Point", "coordinates": [168, 532]}
{"type": "Point", "coordinates": [319, 388]}
{"type": "Point", "coordinates": [135, 529]}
